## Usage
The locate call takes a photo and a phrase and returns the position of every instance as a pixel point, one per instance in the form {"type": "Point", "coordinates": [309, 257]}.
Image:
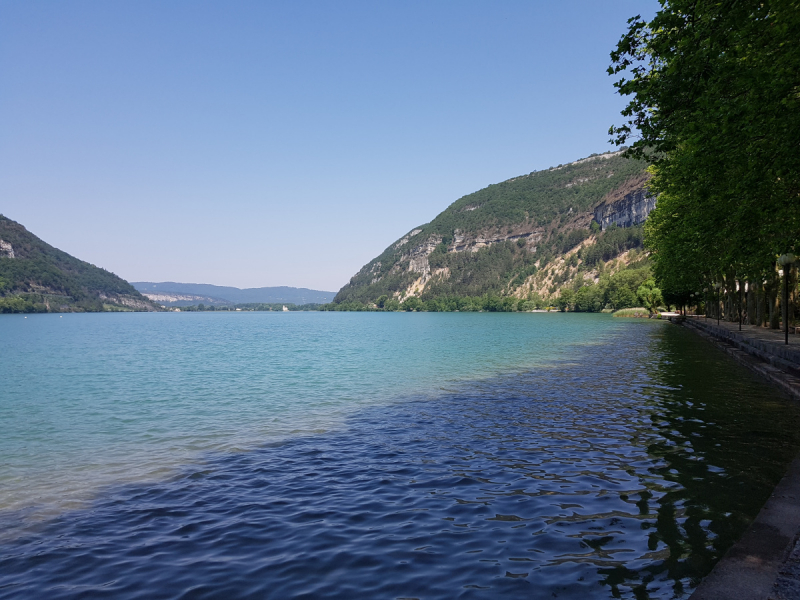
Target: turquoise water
{"type": "Point", "coordinates": [413, 455]}
{"type": "Point", "coordinates": [95, 399]}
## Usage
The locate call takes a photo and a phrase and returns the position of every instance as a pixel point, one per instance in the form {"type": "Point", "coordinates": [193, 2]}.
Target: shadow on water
{"type": "Point", "coordinates": [725, 439]}
{"type": "Point", "coordinates": [625, 472]}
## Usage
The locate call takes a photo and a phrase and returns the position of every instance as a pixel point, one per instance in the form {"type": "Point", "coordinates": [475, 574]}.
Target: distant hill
{"type": "Point", "coordinates": [528, 238]}
{"type": "Point", "coordinates": [35, 277]}
{"type": "Point", "coordinates": [170, 293]}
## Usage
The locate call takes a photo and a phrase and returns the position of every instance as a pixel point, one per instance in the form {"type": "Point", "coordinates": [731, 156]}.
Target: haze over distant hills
{"type": "Point", "coordinates": [171, 293]}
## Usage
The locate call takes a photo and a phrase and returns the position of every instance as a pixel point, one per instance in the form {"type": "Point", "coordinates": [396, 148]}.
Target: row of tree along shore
{"type": "Point", "coordinates": [714, 107]}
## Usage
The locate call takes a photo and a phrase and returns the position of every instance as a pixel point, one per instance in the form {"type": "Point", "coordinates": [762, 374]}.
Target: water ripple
{"type": "Point", "coordinates": [625, 472]}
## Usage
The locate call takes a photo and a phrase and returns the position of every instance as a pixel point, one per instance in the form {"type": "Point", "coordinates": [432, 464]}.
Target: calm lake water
{"type": "Point", "coordinates": [341, 455]}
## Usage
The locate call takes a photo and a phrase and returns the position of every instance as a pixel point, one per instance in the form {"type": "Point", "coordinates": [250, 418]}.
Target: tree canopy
{"type": "Point", "coordinates": [715, 107]}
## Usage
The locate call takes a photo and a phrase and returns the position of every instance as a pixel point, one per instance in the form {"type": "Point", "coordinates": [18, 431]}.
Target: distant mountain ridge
{"type": "Point", "coordinates": [172, 293]}
{"type": "Point", "coordinates": [36, 277]}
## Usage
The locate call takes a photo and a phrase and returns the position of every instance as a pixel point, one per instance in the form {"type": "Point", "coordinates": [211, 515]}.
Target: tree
{"type": "Point", "coordinates": [650, 296]}
{"type": "Point", "coordinates": [715, 108]}
{"type": "Point", "coordinates": [566, 300]}
{"type": "Point", "coordinates": [590, 298]}
{"type": "Point", "coordinates": [392, 304]}
{"type": "Point", "coordinates": [412, 303]}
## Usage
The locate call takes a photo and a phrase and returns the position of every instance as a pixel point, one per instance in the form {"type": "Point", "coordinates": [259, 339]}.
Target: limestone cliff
{"type": "Point", "coordinates": [631, 209]}
{"type": "Point", "coordinates": [513, 237]}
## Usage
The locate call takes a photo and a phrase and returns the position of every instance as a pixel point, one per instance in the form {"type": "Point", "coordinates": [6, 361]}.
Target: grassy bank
{"type": "Point", "coordinates": [640, 313]}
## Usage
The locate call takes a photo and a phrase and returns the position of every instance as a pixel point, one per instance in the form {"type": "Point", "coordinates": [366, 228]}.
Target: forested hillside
{"type": "Point", "coordinates": [527, 242]}
{"type": "Point", "coordinates": [35, 277]}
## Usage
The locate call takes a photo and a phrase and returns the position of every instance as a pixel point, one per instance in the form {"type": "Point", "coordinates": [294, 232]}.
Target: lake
{"type": "Point", "coordinates": [375, 455]}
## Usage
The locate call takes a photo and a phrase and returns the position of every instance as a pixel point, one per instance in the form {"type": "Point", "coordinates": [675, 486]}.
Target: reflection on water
{"type": "Point", "coordinates": [626, 471]}
{"type": "Point", "coordinates": [724, 438]}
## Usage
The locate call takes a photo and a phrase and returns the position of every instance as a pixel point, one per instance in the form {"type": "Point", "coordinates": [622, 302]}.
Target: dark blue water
{"type": "Point", "coordinates": [625, 469]}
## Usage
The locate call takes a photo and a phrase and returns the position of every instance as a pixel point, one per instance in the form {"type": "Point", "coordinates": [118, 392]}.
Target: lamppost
{"type": "Point", "coordinates": [786, 260]}
{"type": "Point", "coordinates": [705, 291]}
{"type": "Point", "coordinates": [717, 286]}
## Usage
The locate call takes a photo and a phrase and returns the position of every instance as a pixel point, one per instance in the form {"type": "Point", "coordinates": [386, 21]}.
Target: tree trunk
{"type": "Point", "coordinates": [730, 305]}
{"type": "Point", "coordinates": [774, 314]}
{"type": "Point", "coordinates": [740, 299]}
{"type": "Point", "coordinates": [761, 306]}
{"type": "Point", "coordinates": [752, 301]}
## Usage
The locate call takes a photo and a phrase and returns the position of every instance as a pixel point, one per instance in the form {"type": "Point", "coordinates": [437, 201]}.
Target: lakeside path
{"type": "Point", "coordinates": [765, 563]}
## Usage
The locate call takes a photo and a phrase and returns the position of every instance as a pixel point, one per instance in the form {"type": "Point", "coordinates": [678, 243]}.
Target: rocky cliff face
{"type": "Point", "coordinates": [495, 240]}
{"type": "Point", "coordinates": [631, 209]}
{"type": "Point", "coordinates": [6, 249]}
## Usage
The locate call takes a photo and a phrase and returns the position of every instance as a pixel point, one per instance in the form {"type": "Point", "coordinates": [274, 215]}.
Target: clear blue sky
{"type": "Point", "coordinates": [264, 143]}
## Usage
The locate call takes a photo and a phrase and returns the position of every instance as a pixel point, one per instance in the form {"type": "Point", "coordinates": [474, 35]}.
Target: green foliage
{"type": "Point", "coordinates": [566, 242]}
{"type": "Point", "coordinates": [547, 202]}
{"type": "Point", "coordinates": [649, 295]}
{"type": "Point", "coordinates": [45, 275]}
{"type": "Point", "coordinates": [715, 106]}
{"type": "Point", "coordinates": [540, 197]}
{"type": "Point", "coordinates": [412, 303]}
{"type": "Point", "coordinates": [611, 243]}
{"type": "Point", "coordinates": [590, 298]}
{"type": "Point", "coordinates": [615, 291]}
{"type": "Point", "coordinates": [487, 271]}
{"type": "Point", "coordinates": [621, 287]}
{"type": "Point", "coordinates": [566, 300]}
{"type": "Point", "coordinates": [485, 303]}
{"type": "Point", "coordinates": [638, 312]}
{"type": "Point", "coordinates": [16, 304]}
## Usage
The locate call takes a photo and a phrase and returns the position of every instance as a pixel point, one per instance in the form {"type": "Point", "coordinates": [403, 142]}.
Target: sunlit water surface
{"type": "Point", "coordinates": [263, 455]}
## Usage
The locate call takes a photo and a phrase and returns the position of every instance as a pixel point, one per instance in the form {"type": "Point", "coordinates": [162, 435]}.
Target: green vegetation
{"type": "Point", "coordinates": [612, 291]}
{"type": "Point", "coordinates": [540, 198]}
{"type": "Point", "coordinates": [650, 295]}
{"type": "Point", "coordinates": [492, 242]}
{"type": "Point", "coordinates": [18, 304]}
{"type": "Point", "coordinates": [641, 313]}
{"type": "Point", "coordinates": [611, 243]}
{"type": "Point", "coordinates": [715, 107]}
{"type": "Point", "coordinates": [40, 278]}
{"type": "Point", "coordinates": [486, 303]}
{"type": "Point", "coordinates": [476, 273]}
{"type": "Point", "coordinates": [615, 291]}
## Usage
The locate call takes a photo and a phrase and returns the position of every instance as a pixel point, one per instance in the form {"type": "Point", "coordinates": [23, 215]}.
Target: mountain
{"type": "Point", "coordinates": [35, 277]}
{"type": "Point", "coordinates": [170, 293]}
{"type": "Point", "coordinates": [527, 238]}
